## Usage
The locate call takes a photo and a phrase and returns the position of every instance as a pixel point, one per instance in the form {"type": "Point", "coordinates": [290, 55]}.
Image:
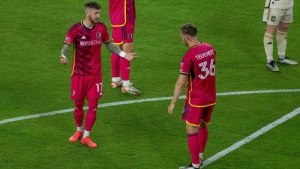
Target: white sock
{"type": "Point", "coordinates": [115, 79]}
{"type": "Point", "coordinates": [126, 83]}
{"type": "Point", "coordinates": [79, 128]}
{"type": "Point", "coordinates": [86, 133]}
{"type": "Point", "coordinates": [196, 165]}
{"type": "Point", "coordinates": [201, 155]}
{"type": "Point", "coordinates": [281, 43]}
{"type": "Point", "coordinates": [268, 44]}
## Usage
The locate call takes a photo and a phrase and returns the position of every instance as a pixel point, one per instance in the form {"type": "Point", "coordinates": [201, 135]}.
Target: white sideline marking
{"type": "Point", "coordinates": [141, 101]}
{"type": "Point", "coordinates": [251, 137]}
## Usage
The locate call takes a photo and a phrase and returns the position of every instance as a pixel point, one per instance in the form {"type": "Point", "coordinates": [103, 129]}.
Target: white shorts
{"type": "Point", "coordinates": [275, 16]}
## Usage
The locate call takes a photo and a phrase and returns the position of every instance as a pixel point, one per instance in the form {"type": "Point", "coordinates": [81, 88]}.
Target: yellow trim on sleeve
{"type": "Point", "coordinates": [68, 43]}
{"type": "Point", "coordinates": [184, 73]}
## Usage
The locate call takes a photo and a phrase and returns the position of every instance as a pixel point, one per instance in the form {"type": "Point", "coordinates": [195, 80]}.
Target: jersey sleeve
{"type": "Point", "coordinates": [185, 65]}
{"type": "Point", "coordinates": [70, 37]}
{"type": "Point", "coordinates": [105, 37]}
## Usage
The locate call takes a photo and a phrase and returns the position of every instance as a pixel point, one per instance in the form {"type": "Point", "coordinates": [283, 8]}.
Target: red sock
{"type": "Point", "coordinates": [193, 143]}
{"type": "Point", "coordinates": [91, 114]}
{"type": "Point", "coordinates": [78, 112]}
{"type": "Point", "coordinates": [115, 65]}
{"type": "Point", "coordinates": [125, 68]}
{"type": "Point", "coordinates": [203, 136]}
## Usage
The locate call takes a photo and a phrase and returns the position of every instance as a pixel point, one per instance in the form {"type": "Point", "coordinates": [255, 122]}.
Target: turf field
{"type": "Point", "coordinates": [142, 135]}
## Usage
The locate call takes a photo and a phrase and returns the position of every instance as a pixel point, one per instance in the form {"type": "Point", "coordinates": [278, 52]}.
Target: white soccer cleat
{"type": "Point", "coordinates": [131, 90]}
{"type": "Point", "coordinates": [288, 61]}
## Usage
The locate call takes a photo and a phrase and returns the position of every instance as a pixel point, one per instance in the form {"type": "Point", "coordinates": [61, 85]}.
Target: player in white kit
{"type": "Point", "coordinates": [278, 14]}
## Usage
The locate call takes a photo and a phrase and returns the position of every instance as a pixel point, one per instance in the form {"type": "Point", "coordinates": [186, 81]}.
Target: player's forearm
{"type": "Point", "coordinates": [177, 92]}
{"type": "Point", "coordinates": [114, 49]}
{"type": "Point", "coordinates": [65, 49]}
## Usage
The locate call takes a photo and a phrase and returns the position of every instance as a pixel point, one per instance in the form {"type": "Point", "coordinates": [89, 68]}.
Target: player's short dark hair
{"type": "Point", "coordinates": [189, 29]}
{"type": "Point", "coordinates": [92, 5]}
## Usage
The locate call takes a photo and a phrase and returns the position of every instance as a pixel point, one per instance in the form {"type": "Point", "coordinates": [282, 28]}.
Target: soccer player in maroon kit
{"type": "Point", "coordinates": [122, 17]}
{"type": "Point", "coordinates": [87, 37]}
{"type": "Point", "coordinates": [198, 69]}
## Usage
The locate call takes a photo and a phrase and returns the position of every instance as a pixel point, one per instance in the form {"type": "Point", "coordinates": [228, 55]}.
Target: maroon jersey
{"type": "Point", "coordinates": [121, 12]}
{"type": "Point", "coordinates": [199, 64]}
{"type": "Point", "coordinates": [87, 47]}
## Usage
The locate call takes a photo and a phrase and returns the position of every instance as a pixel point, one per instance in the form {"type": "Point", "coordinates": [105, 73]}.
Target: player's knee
{"type": "Point", "coordinates": [271, 29]}
{"type": "Point", "coordinates": [93, 105]}
{"type": "Point", "coordinates": [191, 129]}
{"type": "Point", "coordinates": [203, 125]}
{"type": "Point", "coordinates": [79, 104]}
{"type": "Point", "coordinates": [283, 27]}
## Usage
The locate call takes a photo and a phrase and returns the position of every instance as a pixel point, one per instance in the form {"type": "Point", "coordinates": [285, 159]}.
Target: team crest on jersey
{"type": "Point", "coordinates": [72, 92]}
{"type": "Point", "coordinates": [98, 35]}
{"type": "Point", "coordinates": [130, 36]}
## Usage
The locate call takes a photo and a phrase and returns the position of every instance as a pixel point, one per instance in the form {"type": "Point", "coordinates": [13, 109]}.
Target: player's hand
{"type": "Point", "coordinates": [171, 108]}
{"type": "Point", "coordinates": [131, 56]}
{"type": "Point", "coordinates": [63, 60]}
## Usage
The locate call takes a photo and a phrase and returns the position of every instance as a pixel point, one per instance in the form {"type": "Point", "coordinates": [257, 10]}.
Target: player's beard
{"type": "Point", "coordinates": [185, 43]}
{"type": "Point", "coordinates": [94, 21]}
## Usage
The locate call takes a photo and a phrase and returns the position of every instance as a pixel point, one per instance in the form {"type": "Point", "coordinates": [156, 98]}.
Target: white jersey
{"type": "Point", "coordinates": [281, 4]}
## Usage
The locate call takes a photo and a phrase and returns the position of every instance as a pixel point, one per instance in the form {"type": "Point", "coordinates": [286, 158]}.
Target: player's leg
{"type": "Point", "coordinates": [78, 116]}
{"type": "Point", "coordinates": [127, 46]}
{"type": "Point", "coordinates": [94, 93]}
{"type": "Point", "coordinates": [203, 130]}
{"type": "Point", "coordinates": [90, 119]}
{"type": "Point", "coordinates": [115, 59]}
{"type": "Point", "coordinates": [192, 128]}
{"type": "Point", "coordinates": [77, 94]}
{"type": "Point", "coordinates": [273, 20]}
{"type": "Point", "coordinates": [282, 37]}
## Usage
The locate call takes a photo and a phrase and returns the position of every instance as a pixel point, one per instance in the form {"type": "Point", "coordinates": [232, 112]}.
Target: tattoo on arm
{"type": "Point", "coordinates": [65, 50]}
{"type": "Point", "coordinates": [113, 48]}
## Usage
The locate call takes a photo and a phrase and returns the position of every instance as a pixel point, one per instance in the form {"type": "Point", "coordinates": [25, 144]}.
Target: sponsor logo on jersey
{"type": "Point", "coordinates": [90, 43]}
{"type": "Point", "coordinates": [83, 37]}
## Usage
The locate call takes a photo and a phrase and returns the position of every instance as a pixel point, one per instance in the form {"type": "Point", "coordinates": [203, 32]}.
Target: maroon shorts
{"type": "Point", "coordinates": [194, 115]}
{"type": "Point", "coordinates": [89, 87]}
{"type": "Point", "coordinates": [123, 34]}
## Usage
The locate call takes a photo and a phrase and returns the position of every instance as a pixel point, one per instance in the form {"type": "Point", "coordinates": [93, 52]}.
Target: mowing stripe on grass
{"type": "Point", "coordinates": [141, 101]}
{"type": "Point", "coordinates": [251, 137]}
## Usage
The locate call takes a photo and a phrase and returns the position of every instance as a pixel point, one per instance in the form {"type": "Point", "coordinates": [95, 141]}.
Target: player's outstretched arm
{"type": "Point", "coordinates": [177, 92]}
{"type": "Point", "coordinates": [114, 49]}
{"type": "Point", "coordinates": [64, 53]}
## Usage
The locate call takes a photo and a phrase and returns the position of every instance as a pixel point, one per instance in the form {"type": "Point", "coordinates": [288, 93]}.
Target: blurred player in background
{"type": "Point", "coordinates": [278, 14]}
{"type": "Point", "coordinates": [198, 70]}
{"type": "Point", "coordinates": [122, 17]}
{"type": "Point", "coordinates": [87, 37]}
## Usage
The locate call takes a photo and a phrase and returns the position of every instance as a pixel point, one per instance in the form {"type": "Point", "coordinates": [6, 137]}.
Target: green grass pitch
{"type": "Point", "coordinates": [143, 135]}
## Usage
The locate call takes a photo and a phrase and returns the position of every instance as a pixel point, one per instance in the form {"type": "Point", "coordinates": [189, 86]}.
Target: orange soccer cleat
{"type": "Point", "coordinates": [76, 136]}
{"type": "Point", "coordinates": [86, 140]}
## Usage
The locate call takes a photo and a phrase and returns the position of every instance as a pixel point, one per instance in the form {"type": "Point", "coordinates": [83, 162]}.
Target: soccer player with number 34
{"type": "Point", "coordinates": [198, 70]}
